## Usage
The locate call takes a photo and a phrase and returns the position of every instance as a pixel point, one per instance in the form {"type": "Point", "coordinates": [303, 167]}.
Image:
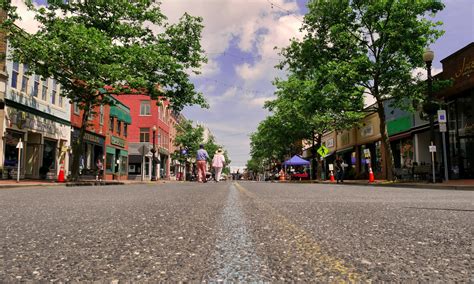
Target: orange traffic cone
{"type": "Point", "coordinates": [61, 175]}
{"type": "Point", "coordinates": [282, 175]}
{"type": "Point", "coordinates": [331, 176]}
{"type": "Point", "coordinates": [371, 175]}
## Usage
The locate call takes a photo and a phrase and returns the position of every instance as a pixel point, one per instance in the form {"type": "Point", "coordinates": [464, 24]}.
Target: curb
{"type": "Point", "coordinates": [400, 185]}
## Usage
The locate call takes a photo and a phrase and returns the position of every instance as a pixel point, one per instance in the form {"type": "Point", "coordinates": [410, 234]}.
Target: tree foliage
{"type": "Point", "coordinates": [364, 45]}
{"type": "Point", "coordinates": [125, 45]}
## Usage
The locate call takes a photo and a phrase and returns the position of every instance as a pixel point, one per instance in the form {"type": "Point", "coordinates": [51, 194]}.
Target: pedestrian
{"type": "Point", "coordinates": [100, 170]}
{"type": "Point", "coordinates": [201, 159]}
{"type": "Point", "coordinates": [339, 169]}
{"type": "Point", "coordinates": [218, 163]}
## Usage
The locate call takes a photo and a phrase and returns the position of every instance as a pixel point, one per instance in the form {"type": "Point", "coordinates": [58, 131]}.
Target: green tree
{"type": "Point", "coordinates": [125, 45]}
{"type": "Point", "coordinates": [189, 138]}
{"type": "Point", "coordinates": [373, 45]}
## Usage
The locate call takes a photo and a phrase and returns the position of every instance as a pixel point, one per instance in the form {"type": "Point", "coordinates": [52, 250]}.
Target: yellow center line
{"type": "Point", "coordinates": [306, 245]}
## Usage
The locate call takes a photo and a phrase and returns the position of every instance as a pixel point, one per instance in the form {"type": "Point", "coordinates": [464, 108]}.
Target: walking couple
{"type": "Point", "coordinates": [218, 163]}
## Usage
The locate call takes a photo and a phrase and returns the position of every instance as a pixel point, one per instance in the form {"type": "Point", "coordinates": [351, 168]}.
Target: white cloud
{"type": "Point", "coordinates": [27, 22]}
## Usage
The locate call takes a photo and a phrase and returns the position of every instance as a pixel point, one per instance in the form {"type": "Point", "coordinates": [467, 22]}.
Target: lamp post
{"type": "Point", "coordinates": [153, 151]}
{"type": "Point", "coordinates": [430, 106]}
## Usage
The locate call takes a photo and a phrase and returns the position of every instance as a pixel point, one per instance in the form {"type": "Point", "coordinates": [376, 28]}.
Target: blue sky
{"type": "Point", "coordinates": [240, 36]}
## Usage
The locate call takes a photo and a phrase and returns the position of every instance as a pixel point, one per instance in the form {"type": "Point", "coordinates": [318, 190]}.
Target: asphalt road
{"type": "Point", "coordinates": [243, 231]}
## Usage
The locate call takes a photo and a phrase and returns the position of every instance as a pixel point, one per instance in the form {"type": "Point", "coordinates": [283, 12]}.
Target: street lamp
{"type": "Point", "coordinates": [153, 151]}
{"type": "Point", "coordinates": [430, 106]}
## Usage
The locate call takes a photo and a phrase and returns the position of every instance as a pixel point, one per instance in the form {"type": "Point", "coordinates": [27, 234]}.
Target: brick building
{"type": "Point", "coordinates": [105, 139]}
{"type": "Point", "coordinates": [146, 115]}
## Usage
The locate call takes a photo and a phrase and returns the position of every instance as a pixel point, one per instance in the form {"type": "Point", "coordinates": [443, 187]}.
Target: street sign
{"type": "Point", "coordinates": [432, 148]}
{"type": "Point", "coordinates": [331, 167]}
{"type": "Point", "coordinates": [144, 149]}
{"type": "Point", "coordinates": [19, 145]}
{"type": "Point", "coordinates": [323, 151]}
{"type": "Point", "coordinates": [442, 127]}
{"type": "Point", "coordinates": [442, 116]}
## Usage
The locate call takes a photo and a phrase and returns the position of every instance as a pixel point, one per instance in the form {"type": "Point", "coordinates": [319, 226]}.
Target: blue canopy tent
{"type": "Point", "coordinates": [296, 161]}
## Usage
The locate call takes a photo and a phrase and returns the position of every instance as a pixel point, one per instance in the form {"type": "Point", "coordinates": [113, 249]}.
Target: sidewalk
{"type": "Point", "coordinates": [467, 184]}
{"type": "Point", "coordinates": [48, 183]}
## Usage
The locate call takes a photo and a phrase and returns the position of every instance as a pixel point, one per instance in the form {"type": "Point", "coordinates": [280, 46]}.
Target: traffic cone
{"type": "Point", "coordinates": [331, 176]}
{"type": "Point", "coordinates": [282, 175]}
{"type": "Point", "coordinates": [61, 175]}
{"type": "Point", "coordinates": [371, 175]}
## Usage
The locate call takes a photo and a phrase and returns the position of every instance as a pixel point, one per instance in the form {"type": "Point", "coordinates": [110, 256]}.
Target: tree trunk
{"type": "Point", "coordinates": [313, 156]}
{"type": "Point", "coordinates": [388, 162]}
{"type": "Point", "coordinates": [78, 147]}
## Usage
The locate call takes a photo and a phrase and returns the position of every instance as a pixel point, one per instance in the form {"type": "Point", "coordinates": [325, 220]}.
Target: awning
{"type": "Point", "coordinates": [120, 114]}
{"type": "Point", "coordinates": [123, 153]}
{"type": "Point", "coordinates": [110, 150]}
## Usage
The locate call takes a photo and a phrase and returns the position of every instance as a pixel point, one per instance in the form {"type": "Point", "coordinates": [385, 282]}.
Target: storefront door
{"type": "Point", "coordinates": [466, 151]}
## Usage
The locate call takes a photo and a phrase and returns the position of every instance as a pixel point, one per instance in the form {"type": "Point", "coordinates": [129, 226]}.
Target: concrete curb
{"type": "Point", "coordinates": [400, 185]}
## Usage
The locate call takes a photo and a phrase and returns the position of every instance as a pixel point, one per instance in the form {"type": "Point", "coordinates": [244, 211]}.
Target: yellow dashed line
{"type": "Point", "coordinates": [306, 244]}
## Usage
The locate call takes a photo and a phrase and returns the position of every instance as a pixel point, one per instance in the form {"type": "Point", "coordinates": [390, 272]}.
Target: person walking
{"type": "Point", "coordinates": [201, 158]}
{"type": "Point", "coordinates": [339, 169]}
{"type": "Point", "coordinates": [218, 163]}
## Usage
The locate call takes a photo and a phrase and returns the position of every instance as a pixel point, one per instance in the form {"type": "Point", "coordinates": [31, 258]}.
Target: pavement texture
{"type": "Point", "coordinates": [236, 231]}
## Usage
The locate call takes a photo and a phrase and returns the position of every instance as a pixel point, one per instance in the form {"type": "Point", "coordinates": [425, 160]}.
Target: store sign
{"type": "Point", "coordinates": [24, 120]}
{"type": "Point", "coordinates": [465, 69]}
{"type": "Point", "coordinates": [117, 141]}
{"type": "Point", "coordinates": [92, 138]}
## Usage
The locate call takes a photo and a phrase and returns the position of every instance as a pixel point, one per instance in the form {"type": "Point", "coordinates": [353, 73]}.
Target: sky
{"type": "Point", "coordinates": [242, 39]}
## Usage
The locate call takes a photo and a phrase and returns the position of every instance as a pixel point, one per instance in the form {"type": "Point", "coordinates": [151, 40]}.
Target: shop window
{"type": "Point", "coordinates": [145, 108]}
{"type": "Point", "coordinates": [123, 164]}
{"type": "Point", "coordinates": [44, 91]}
{"type": "Point", "coordinates": [49, 156]}
{"type": "Point", "coordinates": [109, 162]}
{"type": "Point", "coordinates": [144, 134]}
{"type": "Point", "coordinates": [11, 152]}
{"type": "Point", "coordinates": [36, 86]}
{"type": "Point", "coordinates": [15, 72]}
{"type": "Point", "coordinates": [111, 123]}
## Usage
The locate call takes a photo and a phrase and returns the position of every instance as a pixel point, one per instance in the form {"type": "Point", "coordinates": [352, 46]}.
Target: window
{"type": "Point", "coordinates": [60, 101]}
{"type": "Point", "coordinates": [144, 134]}
{"type": "Point", "coordinates": [16, 66]}
{"type": "Point", "coordinates": [125, 131]}
{"type": "Point", "coordinates": [111, 123]}
{"type": "Point", "coordinates": [49, 155]}
{"type": "Point", "coordinates": [145, 108]}
{"type": "Point", "coordinates": [101, 115]}
{"type": "Point", "coordinates": [24, 81]}
{"type": "Point", "coordinates": [162, 112]}
{"type": "Point", "coordinates": [53, 93]}
{"type": "Point", "coordinates": [44, 91]}
{"type": "Point", "coordinates": [109, 162]}
{"type": "Point", "coordinates": [76, 108]}
{"type": "Point", "coordinates": [119, 126]}
{"type": "Point", "coordinates": [36, 86]}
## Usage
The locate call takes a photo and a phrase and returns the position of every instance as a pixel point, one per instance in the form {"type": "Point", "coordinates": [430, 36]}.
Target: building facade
{"type": "Point", "coordinates": [105, 139]}
{"type": "Point", "coordinates": [147, 114]}
{"type": "Point", "coordinates": [36, 113]}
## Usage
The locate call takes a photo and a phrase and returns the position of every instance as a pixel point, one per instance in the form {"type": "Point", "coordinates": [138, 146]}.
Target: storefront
{"type": "Point", "coordinates": [369, 149]}
{"type": "Point", "coordinates": [459, 97]}
{"type": "Point", "coordinates": [93, 150]}
{"type": "Point", "coordinates": [116, 159]}
{"type": "Point", "coordinates": [45, 142]}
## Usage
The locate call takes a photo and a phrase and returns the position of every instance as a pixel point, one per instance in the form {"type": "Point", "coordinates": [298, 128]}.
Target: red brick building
{"type": "Point", "coordinates": [146, 115]}
{"type": "Point", "coordinates": [105, 139]}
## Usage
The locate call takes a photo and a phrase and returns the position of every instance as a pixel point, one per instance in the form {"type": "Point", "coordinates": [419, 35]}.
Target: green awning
{"type": "Point", "coordinates": [123, 153]}
{"type": "Point", "coordinates": [120, 114]}
{"type": "Point", "coordinates": [110, 150]}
